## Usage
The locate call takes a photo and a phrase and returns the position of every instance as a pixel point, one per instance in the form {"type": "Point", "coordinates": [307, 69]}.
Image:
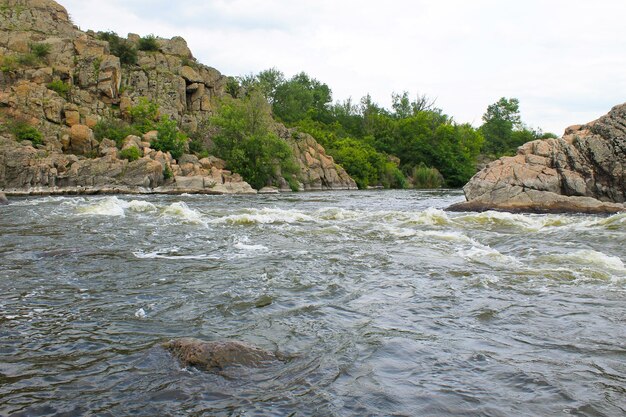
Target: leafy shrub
{"type": "Point", "coordinates": [246, 142]}
{"type": "Point", "coordinates": [60, 87]}
{"type": "Point", "coordinates": [426, 177]}
{"type": "Point", "coordinates": [144, 115]}
{"type": "Point", "coordinates": [169, 139]}
{"type": "Point", "coordinates": [119, 47]}
{"type": "Point", "coordinates": [167, 172]}
{"type": "Point", "coordinates": [27, 60]}
{"type": "Point", "coordinates": [23, 131]}
{"type": "Point", "coordinates": [113, 129]}
{"type": "Point", "coordinates": [8, 63]}
{"type": "Point", "coordinates": [132, 154]}
{"type": "Point", "coordinates": [148, 43]}
{"type": "Point", "coordinates": [40, 50]}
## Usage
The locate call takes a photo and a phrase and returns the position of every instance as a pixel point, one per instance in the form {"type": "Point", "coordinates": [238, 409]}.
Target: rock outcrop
{"type": "Point", "coordinates": [26, 170]}
{"type": "Point", "coordinates": [76, 81]}
{"type": "Point", "coordinates": [584, 171]}
{"type": "Point", "coordinates": [318, 170]}
{"type": "Point", "coordinates": [218, 355]}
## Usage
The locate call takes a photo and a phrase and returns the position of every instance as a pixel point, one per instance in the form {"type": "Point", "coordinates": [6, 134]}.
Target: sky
{"type": "Point", "coordinates": [564, 60]}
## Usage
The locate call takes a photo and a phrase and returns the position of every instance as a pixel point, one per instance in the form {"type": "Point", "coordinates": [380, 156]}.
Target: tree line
{"type": "Point", "coordinates": [414, 143]}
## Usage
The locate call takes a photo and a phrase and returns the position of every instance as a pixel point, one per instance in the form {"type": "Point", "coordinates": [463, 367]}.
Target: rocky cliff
{"type": "Point", "coordinates": [77, 81]}
{"type": "Point", "coordinates": [584, 171]}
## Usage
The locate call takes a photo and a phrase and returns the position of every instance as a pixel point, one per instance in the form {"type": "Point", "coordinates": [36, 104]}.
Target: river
{"type": "Point", "coordinates": [380, 302]}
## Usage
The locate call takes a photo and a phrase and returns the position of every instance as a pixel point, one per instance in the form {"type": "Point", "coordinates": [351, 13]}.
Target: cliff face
{"type": "Point", "coordinates": [98, 86]}
{"type": "Point", "coordinates": [584, 171]}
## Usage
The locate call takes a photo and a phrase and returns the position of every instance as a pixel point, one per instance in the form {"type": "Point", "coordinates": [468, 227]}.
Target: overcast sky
{"type": "Point", "coordinates": [565, 60]}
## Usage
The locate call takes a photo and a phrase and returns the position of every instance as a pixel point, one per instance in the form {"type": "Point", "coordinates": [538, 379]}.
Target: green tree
{"type": "Point", "coordinates": [246, 141]}
{"type": "Point", "coordinates": [302, 97]}
{"type": "Point", "coordinates": [169, 138]}
{"type": "Point", "coordinates": [500, 120]}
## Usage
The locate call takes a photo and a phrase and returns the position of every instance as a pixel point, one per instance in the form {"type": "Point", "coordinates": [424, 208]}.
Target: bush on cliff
{"type": "Point", "coordinates": [120, 47]}
{"type": "Point", "coordinates": [169, 139]}
{"type": "Point", "coordinates": [148, 43]}
{"type": "Point", "coordinates": [246, 142]}
{"type": "Point", "coordinates": [24, 131]}
{"type": "Point", "coordinates": [114, 129]}
{"type": "Point", "coordinates": [131, 154]}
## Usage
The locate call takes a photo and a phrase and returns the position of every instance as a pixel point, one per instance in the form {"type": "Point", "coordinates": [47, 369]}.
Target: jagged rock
{"type": "Point", "coordinates": [96, 82]}
{"type": "Point", "coordinates": [584, 171]}
{"type": "Point", "coordinates": [318, 171]}
{"type": "Point", "coordinates": [82, 141]}
{"type": "Point", "coordinates": [215, 356]}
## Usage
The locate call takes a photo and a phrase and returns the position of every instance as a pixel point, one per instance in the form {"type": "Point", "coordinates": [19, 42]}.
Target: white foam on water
{"type": "Point", "coordinates": [243, 243]}
{"type": "Point", "coordinates": [616, 221]}
{"type": "Point", "coordinates": [181, 210]}
{"type": "Point", "coordinates": [266, 216]}
{"type": "Point", "coordinates": [337, 213]}
{"type": "Point", "coordinates": [528, 222]}
{"type": "Point", "coordinates": [141, 313]}
{"type": "Point", "coordinates": [487, 255]}
{"type": "Point", "coordinates": [141, 206]}
{"type": "Point", "coordinates": [431, 216]}
{"type": "Point", "coordinates": [169, 254]}
{"type": "Point", "coordinates": [109, 206]}
{"type": "Point", "coordinates": [449, 236]}
{"type": "Point", "coordinates": [595, 258]}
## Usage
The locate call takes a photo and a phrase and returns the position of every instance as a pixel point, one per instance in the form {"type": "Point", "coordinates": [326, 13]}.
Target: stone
{"type": "Point", "coordinates": [583, 171]}
{"type": "Point", "coordinates": [110, 76]}
{"type": "Point", "coordinates": [3, 199]}
{"type": "Point", "coordinates": [190, 75]}
{"type": "Point", "coordinates": [218, 355]}
{"type": "Point", "coordinates": [72, 117]}
{"type": "Point", "coordinates": [82, 141]}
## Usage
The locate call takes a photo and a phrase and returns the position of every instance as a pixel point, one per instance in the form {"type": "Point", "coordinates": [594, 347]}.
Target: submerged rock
{"type": "Point", "coordinates": [217, 355]}
{"type": "Point", "coordinates": [584, 171]}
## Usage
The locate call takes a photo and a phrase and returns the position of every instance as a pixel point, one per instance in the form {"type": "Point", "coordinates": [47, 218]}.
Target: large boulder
{"type": "Point", "coordinates": [584, 171]}
{"type": "Point", "coordinates": [217, 355]}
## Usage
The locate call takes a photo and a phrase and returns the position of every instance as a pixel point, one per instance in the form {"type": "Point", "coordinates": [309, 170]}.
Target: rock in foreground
{"type": "Point", "coordinates": [581, 172]}
{"type": "Point", "coordinates": [217, 355]}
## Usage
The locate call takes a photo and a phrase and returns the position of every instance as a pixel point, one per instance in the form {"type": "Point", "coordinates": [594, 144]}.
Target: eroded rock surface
{"type": "Point", "coordinates": [217, 355]}
{"type": "Point", "coordinates": [584, 171]}
{"type": "Point", "coordinates": [78, 82]}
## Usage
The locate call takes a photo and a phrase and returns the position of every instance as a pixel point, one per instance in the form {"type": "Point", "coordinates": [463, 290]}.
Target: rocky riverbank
{"type": "Point", "coordinates": [62, 81]}
{"type": "Point", "coordinates": [584, 171]}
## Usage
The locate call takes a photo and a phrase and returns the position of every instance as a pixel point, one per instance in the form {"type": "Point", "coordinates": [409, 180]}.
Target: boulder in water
{"type": "Point", "coordinates": [3, 199]}
{"type": "Point", "coordinates": [584, 172]}
{"type": "Point", "coordinates": [217, 355]}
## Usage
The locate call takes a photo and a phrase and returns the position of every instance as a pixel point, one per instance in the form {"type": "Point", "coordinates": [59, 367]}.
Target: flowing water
{"type": "Point", "coordinates": [381, 303]}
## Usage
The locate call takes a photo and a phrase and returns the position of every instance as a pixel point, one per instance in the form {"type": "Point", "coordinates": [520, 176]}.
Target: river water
{"type": "Point", "coordinates": [380, 302]}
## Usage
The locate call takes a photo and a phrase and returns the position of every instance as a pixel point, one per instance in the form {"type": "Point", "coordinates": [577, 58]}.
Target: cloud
{"type": "Point", "coordinates": [562, 59]}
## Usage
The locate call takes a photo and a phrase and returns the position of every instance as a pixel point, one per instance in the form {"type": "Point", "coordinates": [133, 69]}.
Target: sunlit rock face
{"type": "Point", "coordinates": [583, 171]}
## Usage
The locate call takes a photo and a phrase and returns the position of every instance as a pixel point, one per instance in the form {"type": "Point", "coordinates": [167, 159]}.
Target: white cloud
{"type": "Point", "coordinates": [564, 60]}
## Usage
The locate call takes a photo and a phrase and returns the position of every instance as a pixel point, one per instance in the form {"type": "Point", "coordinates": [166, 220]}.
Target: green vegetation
{"type": "Point", "coordinates": [364, 137]}
{"type": "Point", "coordinates": [425, 177]}
{"type": "Point", "coordinates": [120, 47]}
{"type": "Point", "coordinates": [145, 115]}
{"type": "Point", "coordinates": [40, 50]}
{"type": "Point", "coordinates": [246, 141]}
{"type": "Point", "coordinates": [503, 129]}
{"type": "Point", "coordinates": [167, 172]}
{"type": "Point", "coordinates": [24, 131]}
{"type": "Point", "coordinates": [8, 63]}
{"type": "Point", "coordinates": [60, 87]}
{"type": "Point", "coordinates": [169, 139]}
{"type": "Point", "coordinates": [144, 118]}
{"type": "Point", "coordinates": [114, 129]}
{"type": "Point", "coordinates": [132, 153]}
{"type": "Point", "coordinates": [148, 43]}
